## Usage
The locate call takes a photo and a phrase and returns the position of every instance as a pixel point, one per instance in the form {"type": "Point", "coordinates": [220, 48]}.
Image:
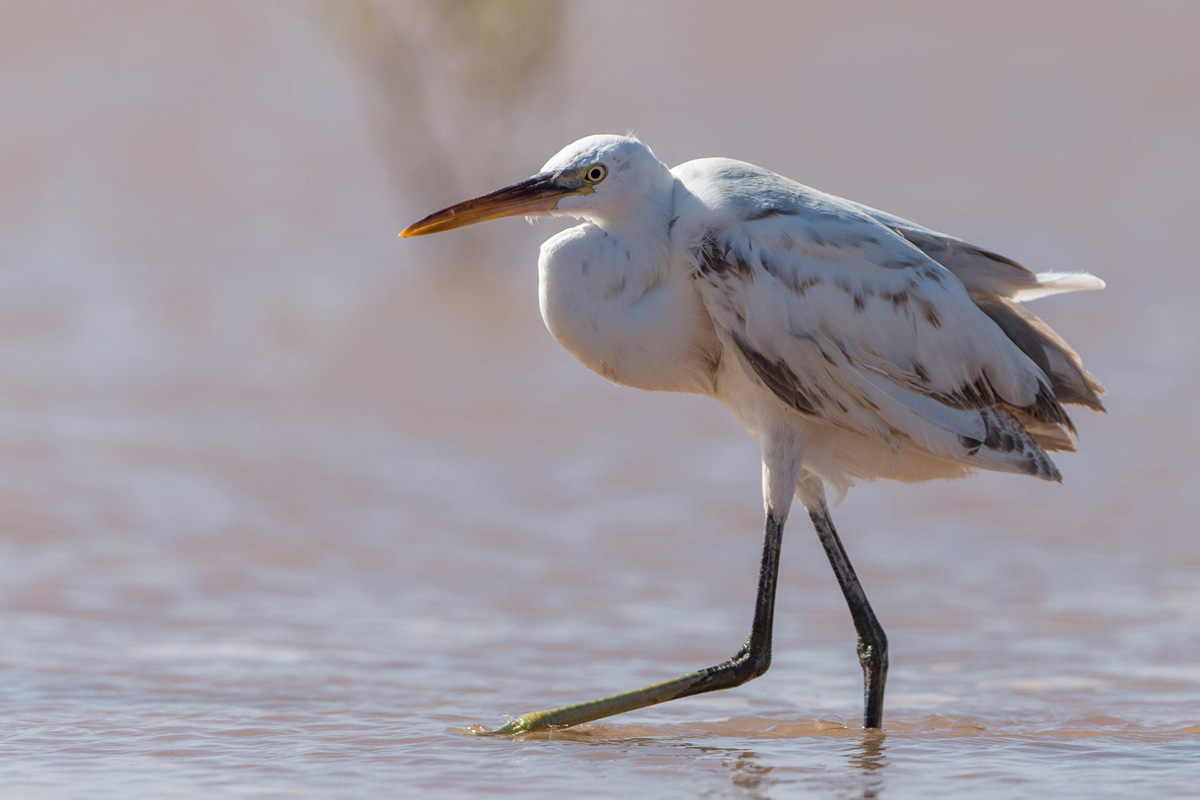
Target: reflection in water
{"type": "Point", "coordinates": [862, 779]}
{"type": "Point", "coordinates": [868, 761]}
{"type": "Point", "coordinates": [748, 774]}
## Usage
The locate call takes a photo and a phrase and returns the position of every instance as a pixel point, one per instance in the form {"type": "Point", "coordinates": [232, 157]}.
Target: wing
{"type": "Point", "coordinates": [850, 323]}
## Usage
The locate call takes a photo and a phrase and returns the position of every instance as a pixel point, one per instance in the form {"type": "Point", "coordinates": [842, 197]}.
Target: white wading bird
{"type": "Point", "coordinates": [851, 344]}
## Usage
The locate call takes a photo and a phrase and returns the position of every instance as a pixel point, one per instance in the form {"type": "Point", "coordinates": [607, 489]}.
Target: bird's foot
{"type": "Point", "coordinates": [525, 723]}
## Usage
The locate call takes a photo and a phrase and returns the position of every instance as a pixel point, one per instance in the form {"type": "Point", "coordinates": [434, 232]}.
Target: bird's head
{"type": "Point", "coordinates": [601, 178]}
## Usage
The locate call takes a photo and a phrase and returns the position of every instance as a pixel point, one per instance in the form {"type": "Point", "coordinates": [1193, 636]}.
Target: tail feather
{"type": "Point", "coordinates": [1008, 446]}
{"type": "Point", "coordinates": [1052, 437]}
{"type": "Point", "coordinates": [1049, 283]}
{"type": "Point", "coordinates": [1069, 381]}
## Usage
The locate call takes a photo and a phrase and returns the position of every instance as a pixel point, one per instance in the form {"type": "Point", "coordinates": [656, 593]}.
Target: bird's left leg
{"type": "Point", "coordinates": [781, 465]}
{"type": "Point", "coordinates": [872, 642]}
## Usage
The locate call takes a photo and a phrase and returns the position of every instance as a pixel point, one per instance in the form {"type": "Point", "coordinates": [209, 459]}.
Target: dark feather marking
{"type": "Point", "coordinates": [802, 286]}
{"type": "Point", "coordinates": [740, 267]}
{"type": "Point", "coordinates": [862, 401]}
{"type": "Point", "coordinates": [782, 382]}
{"type": "Point", "coordinates": [714, 258]}
{"type": "Point", "coordinates": [979, 251]}
{"type": "Point", "coordinates": [898, 299]}
{"type": "Point", "coordinates": [1046, 408]}
{"type": "Point", "coordinates": [933, 273]}
{"type": "Point", "coordinates": [931, 315]}
{"type": "Point", "coordinates": [1003, 433]}
{"type": "Point", "coordinates": [860, 302]}
{"type": "Point", "coordinates": [1000, 440]}
{"type": "Point", "coordinates": [976, 395]}
{"type": "Point", "coordinates": [982, 396]}
{"type": "Point", "coordinates": [766, 212]}
{"type": "Point", "coordinates": [790, 277]}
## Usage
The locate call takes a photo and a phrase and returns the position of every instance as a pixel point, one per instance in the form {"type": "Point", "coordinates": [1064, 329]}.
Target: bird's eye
{"type": "Point", "coordinates": [595, 173]}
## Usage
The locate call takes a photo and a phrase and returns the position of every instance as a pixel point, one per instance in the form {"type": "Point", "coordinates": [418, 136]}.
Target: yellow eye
{"type": "Point", "coordinates": [595, 173]}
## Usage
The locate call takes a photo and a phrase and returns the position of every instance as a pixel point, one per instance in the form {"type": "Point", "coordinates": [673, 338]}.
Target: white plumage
{"type": "Point", "coordinates": [850, 343]}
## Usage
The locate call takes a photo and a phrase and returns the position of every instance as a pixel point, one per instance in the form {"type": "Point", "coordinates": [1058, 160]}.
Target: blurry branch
{"type": "Point", "coordinates": [448, 83]}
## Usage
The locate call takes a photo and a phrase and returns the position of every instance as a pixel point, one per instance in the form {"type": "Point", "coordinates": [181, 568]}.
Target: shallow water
{"type": "Point", "coordinates": [287, 504]}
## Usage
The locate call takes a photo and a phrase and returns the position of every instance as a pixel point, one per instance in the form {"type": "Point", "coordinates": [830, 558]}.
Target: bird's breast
{"type": "Point", "coordinates": [624, 312]}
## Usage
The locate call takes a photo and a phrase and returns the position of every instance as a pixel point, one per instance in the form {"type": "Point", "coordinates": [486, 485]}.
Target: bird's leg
{"type": "Point", "coordinates": [872, 642]}
{"type": "Point", "coordinates": [749, 662]}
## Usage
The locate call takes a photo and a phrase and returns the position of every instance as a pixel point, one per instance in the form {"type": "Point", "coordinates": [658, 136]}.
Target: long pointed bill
{"type": "Point", "coordinates": [534, 195]}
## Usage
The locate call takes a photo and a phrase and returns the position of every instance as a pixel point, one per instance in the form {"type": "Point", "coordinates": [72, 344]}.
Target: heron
{"type": "Point", "coordinates": [850, 343]}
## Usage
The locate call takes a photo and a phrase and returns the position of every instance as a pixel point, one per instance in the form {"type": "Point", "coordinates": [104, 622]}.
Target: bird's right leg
{"type": "Point", "coordinates": [781, 465]}
{"type": "Point", "coordinates": [748, 663]}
